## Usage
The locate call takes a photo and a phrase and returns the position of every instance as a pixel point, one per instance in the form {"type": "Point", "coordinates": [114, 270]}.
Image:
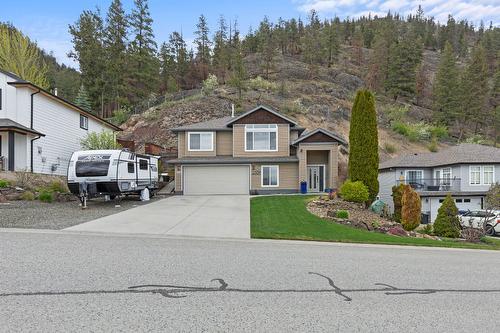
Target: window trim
{"type": "Point", "coordinates": [481, 175]}
{"type": "Point", "coordinates": [277, 175]}
{"type": "Point", "coordinates": [411, 170]}
{"type": "Point", "coordinates": [268, 130]}
{"type": "Point", "coordinates": [200, 133]}
{"type": "Point", "coordinates": [85, 124]}
{"type": "Point", "coordinates": [492, 174]}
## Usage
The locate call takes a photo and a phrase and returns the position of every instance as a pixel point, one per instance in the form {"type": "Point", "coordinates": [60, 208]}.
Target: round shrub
{"type": "Point", "coordinates": [342, 214]}
{"type": "Point", "coordinates": [447, 223]}
{"type": "Point", "coordinates": [46, 196]}
{"type": "Point", "coordinates": [28, 196]}
{"type": "Point", "coordinates": [58, 186]}
{"type": "Point", "coordinates": [4, 183]}
{"type": "Point", "coordinates": [354, 191]}
{"type": "Point", "coordinates": [411, 208]}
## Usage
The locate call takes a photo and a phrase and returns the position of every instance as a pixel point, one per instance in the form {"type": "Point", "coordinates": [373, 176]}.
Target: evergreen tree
{"type": "Point", "coordinates": [447, 223]}
{"type": "Point", "coordinates": [312, 48]}
{"type": "Point", "coordinates": [221, 54]}
{"type": "Point", "coordinates": [21, 56]}
{"type": "Point", "coordinates": [267, 47]}
{"type": "Point", "coordinates": [115, 47]}
{"type": "Point", "coordinates": [474, 92]}
{"type": "Point", "coordinates": [445, 90]}
{"type": "Point", "coordinates": [404, 57]}
{"type": "Point", "coordinates": [82, 99]}
{"type": "Point", "coordinates": [331, 40]}
{"type": "Point", "coordinates": [180, 53]}
{"type": "Point", "coordinates": [203, 44]}
{"type": "Point", "coordinates": [363, 142]}
{"type": "Point", "coordinates": [378, 64]}
{"type": "Point", "coordinates": [167, 68]}
{"type": "Point", "coordinates": [238, 74]}
{"type": "Point", "coordinates": [87, 38]}
{"type": "Point", "coordinates": [144, 67]}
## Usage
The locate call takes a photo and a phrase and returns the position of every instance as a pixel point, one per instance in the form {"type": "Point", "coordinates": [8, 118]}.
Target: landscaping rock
{"type": "Point", "coordinates": [397, 231]}
{"type": "Point", "coordinates": [3, 199]}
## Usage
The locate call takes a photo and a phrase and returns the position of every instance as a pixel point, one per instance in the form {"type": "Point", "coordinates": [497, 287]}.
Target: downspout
{"type": "Point", "coordinates": [31, 126]}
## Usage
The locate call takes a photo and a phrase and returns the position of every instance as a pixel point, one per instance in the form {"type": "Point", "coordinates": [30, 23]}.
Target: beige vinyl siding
{"type": "Point", "coordinates": [183, 146]}
{"type": "Point", "coordinates": [288, 176]}
{"type": "Point", "coordinates": [239, 143]}
{"type": "Point", "coordinates": [178, 178]}
{"type": "Point", "coordinates": [317, 157]}
{"type": "Point", "coordinates": [224, 143]}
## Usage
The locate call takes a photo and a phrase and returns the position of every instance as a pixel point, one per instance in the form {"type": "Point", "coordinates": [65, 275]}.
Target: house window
{"type": "Point", "coordinates": [488, 174]}
{"type": "Point", "coordinates": [261, 137]}
{"type": "Point", "coordinates": [131, 167]}
{"type": "Point", "coordinates": [269, 175]}
{"type": "Point", "coordinates": [414, 177]}
{"type": "Point", "coordinates": [201, 141]}
{"type": "Point", "coordinates": [143, 164]}
{"type": "Point", "coordinates": [458, 200]}
{"type": "Point", "coordinates": [446, 176]}
{"type": "Point", "coordinates": [475, 175]}
{"type": "Point", "coordinates": [84, 122]}
{"type": "Point", "coordinates": [466, 200]}
{"type": "Point", "coordinates": [441, 200]}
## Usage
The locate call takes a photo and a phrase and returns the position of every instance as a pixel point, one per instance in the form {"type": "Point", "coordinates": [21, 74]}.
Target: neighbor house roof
{"type": "Point", "coordinates": [7, 124]}
{"type": "Point", "coordinates": [233, 160]}
{"type": "Point", "coordinates": [308, 134]}
{"type": "Point", "coordinates": [465, 153]}
{"type": "Point", "coordinates": [19, 82]}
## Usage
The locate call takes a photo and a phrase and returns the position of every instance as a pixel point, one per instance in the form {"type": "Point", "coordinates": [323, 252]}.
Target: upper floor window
{"type": "Point", "coordinates": [261, 137]}
{"type": "Point", "coordinates": [201, 141]}
{"type": "Point", "coordinates": [488, 174]}
{"type": "Point", "coordinates": [84, 122]}
{"type": "Point", "coordinates": [475, 175]}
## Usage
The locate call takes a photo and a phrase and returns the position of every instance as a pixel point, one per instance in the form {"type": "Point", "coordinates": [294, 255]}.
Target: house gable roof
{"type": "Point", "coordinates": [216, 124]}
{"type": "Point", "coordinates": [260, 108]}
{"type": "Point", "coordinates": [465, 153]}
{"type": "Point", "coordinates": [320, 135]}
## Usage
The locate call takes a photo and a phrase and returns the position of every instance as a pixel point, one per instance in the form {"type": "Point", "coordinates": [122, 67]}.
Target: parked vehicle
{"type": "Point", "coordinates": [479, 218]}
{"type": "Point", "coordinates": [93, 173]}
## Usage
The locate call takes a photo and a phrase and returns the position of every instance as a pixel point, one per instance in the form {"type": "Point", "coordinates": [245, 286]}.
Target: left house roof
{"type": "Point", "coordinates": [19, 82]}
{"type": "Point", "coordinates": [7, 124]}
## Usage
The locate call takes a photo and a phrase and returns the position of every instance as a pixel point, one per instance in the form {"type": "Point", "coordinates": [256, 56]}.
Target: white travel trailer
{"type": "Point", "coordinates": [92, 173]}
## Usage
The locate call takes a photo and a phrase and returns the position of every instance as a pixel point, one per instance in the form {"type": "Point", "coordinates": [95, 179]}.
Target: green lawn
{"type": "Point", "coordinates": [286, 217]}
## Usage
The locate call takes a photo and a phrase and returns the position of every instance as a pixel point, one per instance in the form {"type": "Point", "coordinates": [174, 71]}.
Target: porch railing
{"type": "Point", "coordinates": [433, 184]}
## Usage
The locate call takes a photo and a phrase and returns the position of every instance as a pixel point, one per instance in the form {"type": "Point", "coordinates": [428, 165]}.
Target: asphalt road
{"type": "Point", "coordinates": [60, 282]}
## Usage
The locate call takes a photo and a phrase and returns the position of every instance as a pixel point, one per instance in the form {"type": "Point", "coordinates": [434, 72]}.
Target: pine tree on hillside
{"type": "Point", "coordinates": [445, 89]}
{"type": "Point", "coordinates": [180, 53]}
{"type": "Point", "coordinates": [238, 74]}
{"type": "Point", "coordinates": [116, 61]}
{"type": "Point", "coordinates": [363, 142]}
{"type": "Point", "coordinates": [167, 68]}
{"type": "Point", "coordinates": [474, 92]}
{"type": "Point", "coordinates": [221, 52]}
{"type": "Point", "coordinates": [144, 68]}
{"type": "Point", "coordinates": [378, 64]}
{"type": "Point", "coordinates": [404, 57]}
{"type": "Point", "coordinates": [19, 55]}
{"type": "Point", "coordinates": [82, 99]}
{"type": "Point", "coordinates": [87, 38]}
{"type": "Point", "coordinates": [331, 40]}
{"type": "Point", "coordinates": [266, 46]}
{"type": "Point", "coordinates": [203, 44]}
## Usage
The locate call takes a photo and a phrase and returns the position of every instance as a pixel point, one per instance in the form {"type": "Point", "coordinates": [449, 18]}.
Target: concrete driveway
{"type": "Point", "coordinates": [199, 216]}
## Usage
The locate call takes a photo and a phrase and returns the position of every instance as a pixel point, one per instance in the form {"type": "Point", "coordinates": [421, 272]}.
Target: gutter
{"type": "Point", "coordinates": [31, 126]}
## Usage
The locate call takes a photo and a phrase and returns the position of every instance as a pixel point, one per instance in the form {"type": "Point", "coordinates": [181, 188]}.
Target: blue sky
{"type": "Point", "coordinates": [47, 21]}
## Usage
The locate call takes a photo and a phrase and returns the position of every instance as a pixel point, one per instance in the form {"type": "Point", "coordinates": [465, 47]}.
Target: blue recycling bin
{"type": "Point", "coordinates": [303, 187]}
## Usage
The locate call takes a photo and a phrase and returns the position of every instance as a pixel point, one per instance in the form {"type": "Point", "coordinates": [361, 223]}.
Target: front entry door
{"type": "Point", "coordinates": [313, 179]}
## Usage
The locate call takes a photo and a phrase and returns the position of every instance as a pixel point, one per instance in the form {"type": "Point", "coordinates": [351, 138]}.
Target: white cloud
{"type": "Point", "coordinates": [472, 10]}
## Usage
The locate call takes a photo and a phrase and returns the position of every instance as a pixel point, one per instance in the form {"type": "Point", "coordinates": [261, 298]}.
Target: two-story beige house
{"type": "Point", "coordinates": [257, 152]}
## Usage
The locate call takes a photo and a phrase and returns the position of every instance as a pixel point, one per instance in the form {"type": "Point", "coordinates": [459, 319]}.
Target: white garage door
{"type": "Point", "coordinates": [222, 179]}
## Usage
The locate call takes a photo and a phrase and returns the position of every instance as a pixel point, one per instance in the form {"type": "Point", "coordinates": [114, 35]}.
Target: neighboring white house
{"type": "Point", "coordinates": [465, 171]}
{"type": "Point", "coordinates": [38, 130]}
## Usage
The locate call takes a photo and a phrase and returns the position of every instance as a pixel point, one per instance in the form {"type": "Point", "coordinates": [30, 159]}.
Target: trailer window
{"type": "Point", "coordinates": [143, 164]}
{"type": "Point", "coordinates": [130, 167]}
{"type": "Point", "coordinates": [92, 169]}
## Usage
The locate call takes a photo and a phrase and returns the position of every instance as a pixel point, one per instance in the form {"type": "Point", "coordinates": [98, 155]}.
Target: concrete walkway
{"type": "Point", "coordinates": [200, 216]}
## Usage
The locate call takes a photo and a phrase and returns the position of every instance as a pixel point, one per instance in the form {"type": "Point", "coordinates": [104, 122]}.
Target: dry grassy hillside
{"type": "Point", "coordinates": [322, 99]}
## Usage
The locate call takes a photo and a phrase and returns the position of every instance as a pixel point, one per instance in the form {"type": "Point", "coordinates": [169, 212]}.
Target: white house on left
{"type": "Point", "coordinates": [39, 130]}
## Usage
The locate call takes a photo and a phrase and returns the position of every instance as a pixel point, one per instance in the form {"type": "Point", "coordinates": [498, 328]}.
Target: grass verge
{"type": "Point", "coordinates": [286, 217]}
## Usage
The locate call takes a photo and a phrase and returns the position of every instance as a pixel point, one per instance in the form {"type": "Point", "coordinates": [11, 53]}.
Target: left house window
{"type": "Point", "coordinates": [84, 122]}
{"type": "Point", "coordinates": [200, 141]}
